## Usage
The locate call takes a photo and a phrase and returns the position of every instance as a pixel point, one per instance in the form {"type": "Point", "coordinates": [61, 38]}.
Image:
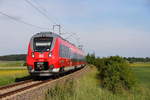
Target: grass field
{"type": "Point", "coordinates": [10, 76]}
{"type": "Point", "coordinates": [142, 71]}
{"type": "Point", "coordinates": [140, 64]}
{"type": "Point", "coordinates": [11, 63]}
{"type": "Point", "coordinates": [88, 88]}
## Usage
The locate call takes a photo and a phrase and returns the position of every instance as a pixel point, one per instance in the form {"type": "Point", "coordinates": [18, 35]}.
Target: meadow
{"type": "Point", "coordinates": [140, 64]}
{"type": "Point", "coordinates": [10, 71]}
{"type": "Point", "coordinates": [88, 88]}
{"type": "Point", "coordinates": [142, 71]}
{"type": "Point", "coordinates": [11, 63]}
{"type": "Point", "coordinates": [11, 76]}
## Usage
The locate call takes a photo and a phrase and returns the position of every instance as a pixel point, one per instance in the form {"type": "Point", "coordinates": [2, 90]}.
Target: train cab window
{"type": "Point", "coordinates": [42, 44]}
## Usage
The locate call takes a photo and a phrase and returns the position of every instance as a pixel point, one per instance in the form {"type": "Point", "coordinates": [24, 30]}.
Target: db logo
{"type": "Point", "coordinates": [41, 55]}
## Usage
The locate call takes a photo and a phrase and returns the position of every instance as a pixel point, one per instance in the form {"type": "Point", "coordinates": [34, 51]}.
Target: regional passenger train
{"type": "Point", "coordinates": [49, 53]}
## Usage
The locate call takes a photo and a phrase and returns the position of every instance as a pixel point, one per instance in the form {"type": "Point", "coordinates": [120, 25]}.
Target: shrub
{"type": "Point", "coordinates": [90, 59]}
{"type": "Point", "coordinates": [115, 74]}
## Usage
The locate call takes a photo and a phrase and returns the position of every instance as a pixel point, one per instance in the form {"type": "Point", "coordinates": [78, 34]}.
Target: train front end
{"type": "Point", "coordinates": [41, 58]}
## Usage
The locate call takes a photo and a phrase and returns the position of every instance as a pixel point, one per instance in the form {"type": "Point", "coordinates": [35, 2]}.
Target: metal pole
{"type": "Point", "coordinates": [59, 27]}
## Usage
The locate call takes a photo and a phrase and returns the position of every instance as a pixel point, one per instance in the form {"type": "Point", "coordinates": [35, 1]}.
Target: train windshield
{"type": "Point", "coordinates": [42, 44]}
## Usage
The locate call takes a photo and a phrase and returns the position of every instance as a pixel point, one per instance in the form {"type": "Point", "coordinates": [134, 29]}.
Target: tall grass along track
{"type": "Point", "coordinates": [11, 92]}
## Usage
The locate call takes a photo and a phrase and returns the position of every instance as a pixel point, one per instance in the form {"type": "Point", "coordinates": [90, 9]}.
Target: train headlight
{"type": "Point", "coordinates": [50, 54]}
{"type": "Point", "coordinates": [33, 55]}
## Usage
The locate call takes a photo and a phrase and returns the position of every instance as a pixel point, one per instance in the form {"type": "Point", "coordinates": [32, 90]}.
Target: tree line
{"type": "Point", "coordinates": [15, 57]}
{"type": "Point", "coordinates": [22, 57]}
{"type": "Point", "coordinates": [137, 59]}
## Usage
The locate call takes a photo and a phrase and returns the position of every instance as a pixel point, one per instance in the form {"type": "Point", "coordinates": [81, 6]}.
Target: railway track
{"type": "Point", "coordinates": [10, 90]}
{"type": "Point", "coordinates": [15, 88]}
{"type": "Point", "coordinates": [12, 85]}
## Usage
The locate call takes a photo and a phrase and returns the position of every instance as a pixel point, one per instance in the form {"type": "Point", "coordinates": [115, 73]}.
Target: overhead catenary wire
{"type": "Point", "coordinates": [72, 35]}
{"type": "Point", "coordinates": [40, 11]}
{"type": "Point", "coordinates": [37, 26]}
{"type": "Point", "coordinates": [43, 11]}
{"type": "Point", "coordinates": [21, 21]}
{"type": "Point", "coordinates": [55, 20]}
{"type": "Point", "coordinates": [46, 12]}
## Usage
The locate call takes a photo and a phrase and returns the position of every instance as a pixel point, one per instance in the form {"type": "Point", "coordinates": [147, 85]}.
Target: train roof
{"type": "Point", "coordinates": [51, 34]}
{"type": "Point", "coordinates": [46, 34]}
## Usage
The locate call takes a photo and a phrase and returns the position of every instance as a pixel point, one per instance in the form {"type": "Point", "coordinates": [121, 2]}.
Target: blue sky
{"type": "Point", "coordinates": [106, 27]}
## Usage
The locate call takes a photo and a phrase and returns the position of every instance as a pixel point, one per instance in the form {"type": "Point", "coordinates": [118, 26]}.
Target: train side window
{"type": "Point", "coordinates": [60, 51]}
{"type": "Point", "coordinates": [69, 53]}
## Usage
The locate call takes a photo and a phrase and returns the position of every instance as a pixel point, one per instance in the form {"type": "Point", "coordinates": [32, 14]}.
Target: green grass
{"type": "Point", "coordinates": [9, 76]}
{"type": "Point", "coordinates": [11, 63]}
{"type": "Point", "coordinates": [88, 88]}
{"type": "Point", "coordinates": [142, 72]}
{"type": "Point", "coordinates": [11, 70]}
{"type": "Point", "coordinates": [140, 64]}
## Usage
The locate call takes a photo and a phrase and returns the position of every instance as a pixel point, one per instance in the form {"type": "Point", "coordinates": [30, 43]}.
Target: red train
{"type": "Point", "coordinates": [49, 53]}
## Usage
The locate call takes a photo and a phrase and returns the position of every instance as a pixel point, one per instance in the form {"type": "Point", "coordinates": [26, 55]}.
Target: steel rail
{"type": "Point", "coordinates": [15, 84]}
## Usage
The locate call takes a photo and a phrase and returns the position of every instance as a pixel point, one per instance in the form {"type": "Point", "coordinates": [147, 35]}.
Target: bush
{"type": "Point", "coordinates": [90, 59]}
{"type": "Point", "coordinates": [115, 74]}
